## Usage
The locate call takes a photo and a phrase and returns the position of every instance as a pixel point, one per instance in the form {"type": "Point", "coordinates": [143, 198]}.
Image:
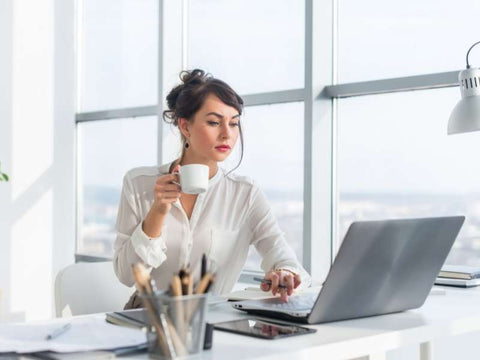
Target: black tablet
{"type": "Point", "coordinates": [262, 329]}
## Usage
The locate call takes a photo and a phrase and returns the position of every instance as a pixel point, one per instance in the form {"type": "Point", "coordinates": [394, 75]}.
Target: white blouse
{"type": "Point", "coordinates": [229, 217]}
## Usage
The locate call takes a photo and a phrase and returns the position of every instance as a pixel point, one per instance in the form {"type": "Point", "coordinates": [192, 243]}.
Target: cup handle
{"type": "Point", "coordinates": [174, 182]}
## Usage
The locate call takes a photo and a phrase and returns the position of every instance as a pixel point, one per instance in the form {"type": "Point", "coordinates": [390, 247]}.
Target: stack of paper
{"type": "Point", "coordinates": [458, 275]}
{"type": "Point", "coordinates": [85, 334]}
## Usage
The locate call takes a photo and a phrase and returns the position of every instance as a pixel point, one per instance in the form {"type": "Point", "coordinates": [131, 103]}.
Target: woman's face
{"type": "Point", "coordinates": [213, 132]}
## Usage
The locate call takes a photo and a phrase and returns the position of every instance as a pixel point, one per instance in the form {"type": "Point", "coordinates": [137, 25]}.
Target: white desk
{"type": "Point", "coordinates": [442, 316]}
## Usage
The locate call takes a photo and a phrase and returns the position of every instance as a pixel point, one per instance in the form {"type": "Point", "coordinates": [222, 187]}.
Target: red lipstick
{"type": "Point", "coordinates": [223, 148]}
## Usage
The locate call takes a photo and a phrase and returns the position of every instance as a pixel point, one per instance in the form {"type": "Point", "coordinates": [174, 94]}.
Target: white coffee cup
{"type": "Point", "coordinates": [193, 178]}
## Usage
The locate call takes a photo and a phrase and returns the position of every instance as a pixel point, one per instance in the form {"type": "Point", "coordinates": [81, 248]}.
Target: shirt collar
{"type": "Point", "coordinates": [216, 177]}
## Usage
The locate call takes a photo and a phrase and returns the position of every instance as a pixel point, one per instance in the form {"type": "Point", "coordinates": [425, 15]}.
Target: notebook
{"type": "Point", "coordinates": [459, 272]}
{"type": "Point", "coordinates": [90, 333]}
{"type": "Point", "coordinates": [136, 318]}
{"type": "Point", "coordinates": [457, 282]}
{"type": "Point", "coordinates": [381, 267]}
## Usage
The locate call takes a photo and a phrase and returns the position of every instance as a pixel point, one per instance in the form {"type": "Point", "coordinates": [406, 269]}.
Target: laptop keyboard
{"type": "Point", "coordinates": [295, 303]}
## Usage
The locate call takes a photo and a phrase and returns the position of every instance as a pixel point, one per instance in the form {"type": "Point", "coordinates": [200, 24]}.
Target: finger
{"type": "Point", "coordinates": [264, 329]}
{"type": "Point", "coordinates": [275, 280]}
{"type": "Point", "coordinates": [288, 279]}
{"type": "Point", "coordinates": [297, 281]}
{"type": "Point", "coordinates": [176, 179]}
{"type": "Point", "coordinates": [167, 187]}
{"type": "Point", "coordinates": [176, 168]}
{"type": "Point", "coordinates": [168, 201]}
{"type": "Point", "coordinates": [265, 286]}
{"type": "Point", "coordinates": [274, 331]}
{"type": "Point", "coordinates": [283, 295]}
{"type": "Point", "coordinates": [160, 190]}
{"type": "Point", "coordinates": [166, 179]}
{"type": "Point", "coordinates": [167, 196]}
{"type": "Point", "coordinates": [163, 200]}
{"type": "Point", "coordinates": [170, 195]}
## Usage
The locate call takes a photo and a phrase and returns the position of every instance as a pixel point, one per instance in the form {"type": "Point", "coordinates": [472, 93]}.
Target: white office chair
{"type": "Point", "coordinates": [87, 288]}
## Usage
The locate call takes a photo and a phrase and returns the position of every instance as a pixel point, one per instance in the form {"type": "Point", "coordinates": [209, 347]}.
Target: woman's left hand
{"type": "Point", "coordinates": [287, 279]}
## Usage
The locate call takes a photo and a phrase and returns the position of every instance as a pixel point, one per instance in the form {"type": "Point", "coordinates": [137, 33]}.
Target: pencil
{"type": "Point", "coordinates": [210, 283]}
{"type": "Point", "coordinates": [203, 284]}
{"type": "Point", "coordinates": [58, 331]}
{"type": "Point", "coordinates": [181, 350]}
{"type": "Point", "coordinates": [190, 284]}
{"type": "Point", "coordinates": [176, 286]}
{"type": "Point", "coordinates": [143, 285]}
{"type": "Point", "coordinates": [178, 312]}
{"type": "Point", "coordinates": [184, 281]}
{"type": "Point", "coordinates": [269, 282]}
{"type": "Point", "coordinates": [204, 266]}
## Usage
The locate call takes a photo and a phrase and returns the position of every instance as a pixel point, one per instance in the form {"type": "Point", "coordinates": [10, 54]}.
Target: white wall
{"type": "Point", "coordinates": [37, 133]}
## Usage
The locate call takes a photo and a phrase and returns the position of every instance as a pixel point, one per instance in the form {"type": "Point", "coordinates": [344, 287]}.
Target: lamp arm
{"type": "Point", "coordinates": [468, 52]}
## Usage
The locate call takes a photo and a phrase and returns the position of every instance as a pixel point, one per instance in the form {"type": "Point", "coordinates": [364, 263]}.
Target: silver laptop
{"type": "Point", "coordinates": [382, 267]}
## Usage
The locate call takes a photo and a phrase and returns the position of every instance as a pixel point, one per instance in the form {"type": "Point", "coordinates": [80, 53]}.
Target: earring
{"type": "Point", "coordinates": [187, 145]}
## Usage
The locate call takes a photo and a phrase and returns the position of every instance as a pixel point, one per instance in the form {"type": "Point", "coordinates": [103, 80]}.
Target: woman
{"type": "Point", "coordinates": [166, 229]}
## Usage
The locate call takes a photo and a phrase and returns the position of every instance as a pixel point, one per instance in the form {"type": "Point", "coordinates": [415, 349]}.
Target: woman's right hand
{"type": "Point", "coordinates": [166, 192]}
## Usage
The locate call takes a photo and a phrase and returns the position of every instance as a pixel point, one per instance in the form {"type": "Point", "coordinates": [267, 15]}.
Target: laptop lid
{"type": "Point", "coordinates": [384, 267]}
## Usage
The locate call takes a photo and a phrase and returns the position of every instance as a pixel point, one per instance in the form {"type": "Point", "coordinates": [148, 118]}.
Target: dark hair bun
{"type": "Point", "coordinates": [193, 77]}
{"type": "Point", "coordinates": [172, 101]}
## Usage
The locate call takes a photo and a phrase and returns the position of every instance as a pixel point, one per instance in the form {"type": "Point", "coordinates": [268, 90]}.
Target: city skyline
{"type": "Point", "coordinates": [100, 213]}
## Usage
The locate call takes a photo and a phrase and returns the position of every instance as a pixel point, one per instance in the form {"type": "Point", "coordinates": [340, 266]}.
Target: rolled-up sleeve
{"type": "Point", "coordinates": [132, 245]}
{"type": "Point", "coordinates": [269, 240]}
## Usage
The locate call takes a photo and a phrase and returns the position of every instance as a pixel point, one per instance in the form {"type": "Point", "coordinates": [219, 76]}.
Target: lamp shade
{"type": "Point", "coordinates": [465, 116]}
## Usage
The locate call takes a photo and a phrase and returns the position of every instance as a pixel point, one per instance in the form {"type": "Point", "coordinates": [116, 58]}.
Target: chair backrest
{"type": "Point", "coordinates": [87, 288]}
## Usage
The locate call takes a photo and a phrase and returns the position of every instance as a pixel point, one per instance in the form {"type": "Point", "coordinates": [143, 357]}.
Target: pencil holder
{"type": "Point", "coordinates": [176, 327]}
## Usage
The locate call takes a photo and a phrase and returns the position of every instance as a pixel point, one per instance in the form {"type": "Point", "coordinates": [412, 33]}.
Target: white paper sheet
{"type": "Point", "coordinates": [86, 333]}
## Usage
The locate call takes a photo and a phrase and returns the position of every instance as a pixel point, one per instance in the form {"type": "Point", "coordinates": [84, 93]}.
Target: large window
{"type": "Point", "coordinates": [323, 154]}
{"type": "Point", "coordinates": [116, 69]}
{"type": "Point", "coordinates": [273, 157]}
{"type": "Point", "coordinates": [247, 42]}
{"type": "Point", "coordinates": [395, 159]}
{"type": "Point", "coordinates": [384, 39]}
{"type": "Point", "coordinates": [117, 53]}
{"type": "Point", "coordinates": [401, 164]}
{"type": "Point", "coordinates": [121, 61]}
{"type": "Point", "coordinates": [107, 150]}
